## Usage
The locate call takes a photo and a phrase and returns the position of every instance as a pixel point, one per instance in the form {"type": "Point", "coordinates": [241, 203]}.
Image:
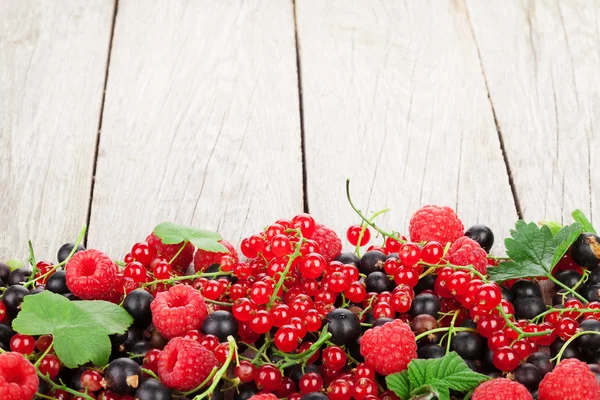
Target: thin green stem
{"type": "Point", "coordinates": [220, 303]}
{"type": "Point", "coordinates": [568, 289]}
{"type": "Point", "coordinates": [564, 310]}
{"type": "Point", "coordinates": [568, 342]}
{"type": "Point", "coordinates": [32, 260]}
{"type": "Point", "coordinates": [186, 278]}
{"type": "Point", "coordinates": [200, 386]}
{"type": "Point", "coordinates": [150, 373]}
{"type": "Point", "coordinates": [44, 354]}
{"type": "Point", "coordinates": [43, 396]}
{"type": "Point", "coordinates": [63, 387]}
{"type": "Point", "coordinates": [219, 374]}
{"type": "Point", "coordinates": [436, 330]}
{"type": "Point", "coordinates": [451, 330]}
{"type": "Point", "coordinates": [185, 242]}
{"type": "Point", "coordinates": [285, 272]}
{"type": "Point", "coordinates": [260, 351]}
{"type": "Point", "coordinates": [361, 215]}
{"type": "Point", "coordinates": [308, 353]}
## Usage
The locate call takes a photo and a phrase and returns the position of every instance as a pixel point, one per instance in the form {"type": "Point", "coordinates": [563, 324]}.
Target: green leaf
{"type": "Point", "coordinates": [427, 392]}
{"type": "Point", "coordinates": [80, 335]}
{"type": "Point", "coordinates": [171, 233]}
{"type": "Point", "coordinates": [534, 250]}
{"type": "Point", "coordinates": [580, 217]}
{"type": "Point", "coordinates": [553, 225]}
{"type": "Point", "coordinates": [399, 384]}
{"type": "Point", "coordinates": [13, 263]}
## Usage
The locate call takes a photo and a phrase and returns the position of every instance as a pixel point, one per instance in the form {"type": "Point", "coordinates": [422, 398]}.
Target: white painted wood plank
{"type": "Point", "coordinates": [394, 98]}
{"type": "Point", "coordinates": [201, 121]}
{"type": "Point", "coordinates": [53, 57]}
{"type": "Point", "coordinates": [541, 60]}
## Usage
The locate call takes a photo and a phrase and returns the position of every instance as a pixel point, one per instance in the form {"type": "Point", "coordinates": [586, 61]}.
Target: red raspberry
{"type": "Point", "coordinates": [264, 396]}
{"type": "Point", "coordinates": [204, 259]}
{"type": "Point", "coordinates": [168, 251]}
{"type": "Point", "coordinates": [389, 348]}
{"type": "Point", "coordinates": [18, 379]}
{"type": "Point", "coordinates": [465, 251]}
{"type": "Point", "coordinates": [330, 245]}
{"type": "Point", "coordinates": [435, 223]}
{"type": "Point", "coordinates": [185, 363]}
{"type": "Point", "coordinates": [570, 380]}
{"type": "Point", "coordinates": [501, 389]}
{"type": "Point", "coordinates": [91, 275]}
{"type": "Point", "coordinates": [178, 311]}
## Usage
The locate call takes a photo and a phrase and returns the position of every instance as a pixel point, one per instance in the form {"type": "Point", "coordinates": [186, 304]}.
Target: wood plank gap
{"type": "Point", "coordinates": [110, 45]}
{"type": "Point", "coordinates": [301, 110]}
{"type": "Point", "coordinates": [511, 180]}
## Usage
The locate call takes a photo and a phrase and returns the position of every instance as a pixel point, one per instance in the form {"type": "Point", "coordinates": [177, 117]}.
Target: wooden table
{"type": "Point", "coordinates": [230, 114]}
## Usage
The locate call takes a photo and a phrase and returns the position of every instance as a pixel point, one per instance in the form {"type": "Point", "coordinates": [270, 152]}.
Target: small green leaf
{"type": "Point", "coordinates": [564, 239]}
{"type": "Point", "coordinates": [171, 233]}
{"type": "Point", "coordinates": [13, 263]}
{"type": "Point", "coordinates": [553, 225]}
{"type": "Point", "coordinates": [580, 217]}
{"type": "Point", "coordinates": [80, 331]}
{"type": "Point", "coordinates": [399, 384]}
{"type": "Point", "coordinates": [427, 392]}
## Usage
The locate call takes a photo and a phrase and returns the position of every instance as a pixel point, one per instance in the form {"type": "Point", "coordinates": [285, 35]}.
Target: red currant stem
{"type": "Point", "coordinates": [446, 329]}
{"type": "Point", "coordinates": [364, 228]}
{"type": "Point", "coordinates": [515, 328]}
{"type": "Point", "coordinates": [187, 277]}
{"type": "Point", "coordinates": [360, 214]}
{"type": "Point", "coordinates": [427, 272]}
{"type": "Point", "coordinates": [451, 330]}
{"type": "Point", "coordinates": [32, 258]}
{"type": "Point", "coordinates": [2, 350]}
{"type": "Point", "coordinates": [351, 359]}
{"type": "Point", "coordinates": [219, 374]}
{"type": "Point", "coordinates": [152, 374]}
{"type": "Point", "coordinates": [583, 279]}
{"type": "Point", "coordinates": [367, 308]}
{"type": "Point", "coordinates": [44, 354]}
{"type": "Point", "coordinates": [63, 386]}
{"type": "Point", "coordinates": [306, 355]}
{"type": "Point", "coordinates": [219, 303]}
{"type": "Point", "coordinates": [43, 396]}
{"type": "Point", "coordinates": [260, 351]}
{"type": "Point", "coordinates": [365, 324]}
{"type": "Point", "coordinates": [568, 342]}
{"type": "Point", "coordinates": [119, 263]}
{"type": "Point", "coordinates": [564, 310]}
{"type": "Point", "coordinates": [249, 346]}
{"type": "Point", "coordinates": [57, 266]}
{"type": "Point", "coordinates": [200, 386]}
{"type": "Point", "coordinates": [568, 289]}
{"type": "Point", "coordinates": [285, 272]}
{"type": "Point", "coordinates": [185, 242]}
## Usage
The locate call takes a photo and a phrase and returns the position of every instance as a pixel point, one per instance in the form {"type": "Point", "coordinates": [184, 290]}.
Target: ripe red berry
{"type": "Point", "coordinates": [497, 340]}
{"type": "Point", "coordinates": [458, 283]}
{"type": "Point", "coordinates": [339, 389]}
{"type": "Point", "coordinates": [261, 322]}
{"type": "Point", "coordinates": [406, 276]}
{"type": "Point", "coordinates": [337, 282]}
{"type": "Point", "coordinates": [356, 292]}
{"type": "Point", "coordinates": [392, 245]}
{"type": "Point", "coordinates": [43, 342]}
{"type": "Point", "coordinates": [391, 265]}
{"type": "Point", "coordinates": [280, 315]}
{"type": "Point", "coordinates": [312, 320]}
{"type": "Point", "coordinates": [245, 371]}
{"type": "Point", "coordinates": [489, 296]}
{"type": "Point", "coordinates": [354, 232]}
{"type": "Point", "coordinates": [268, 378]}
{"type": "Point", "coordinates": [383, 310]}
{"type": "Point", "coordinates": [136, 271]}
{"type": "Point", "coordinates": [3, 316]}
{"type": "Point", "coordinates": [410, 254]}
{"type": "Point", "coordinates": [50, 366]}
{"type": "Point", "coordinates": [143, 253]}
{"type": "Point", "coordinates": [210, 342]}
{"type": "Point", "coordinates": [23, 344]}
{"type": "Point", "coordinates": [488, 324]}
{"type": "Point", "coordinates": [243, 308]}
{"type": "Point", "coordinates": [261, 292]}
{"type": "Point", "coordinates": [334, 357]}
{"type": "Point", "coordinates": [222, 352]}
{"type": "Point", "coordinates": [401, 302]}
{"type": "Point", "coordinates": [432, 252]}
{"type": "Point", "coordinates": [90, 380]}
{"type": "Point", "coordinates": [162, 270]}
{"type": "Point", "coordinates": [305, 223]}
{"type": "Point", "coordinates": [364, 387]}
{"type": "Point", "coordinates": [310, 382]}
{"type": "Point", "coordinates": [505, 359]}
{"type": "Point", "coordinates": [313, 266]}
{"type": "Point", "coordinates": [287, 338]}
{"type": "Point", "coordinates": [566, 328]}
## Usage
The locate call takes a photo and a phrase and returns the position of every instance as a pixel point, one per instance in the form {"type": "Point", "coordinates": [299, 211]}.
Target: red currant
{"type": "Point", "coordinates": [406, 276]}
{"type": "Point", "coordinates": [364, 370]}
{"type": "Point", "coordinates": [364, 387]}
{"type": "Point", "coordinates": [222, 352]}
{"type": "Point", "coordinates": [313, 266]}
{"type": "Point", "coordinates": [261, 322]}
{"type": "Point", "coordinates": [401, 302]}
{"type": "Point", "coordinates": [339, 390]}
{"type": "Point", "coordinates": [245, 371]}
{"type": "Point", "coordinates": [90, 380]}
{"type": "Point", "coordinates": [432, 253]}
{"type": "Point", "coordinates": [458, 283]}
{"type": "Point", "coordinates": [383, 310]}
{"type": "Point", "coordinates": [23, 344]}
{"type": "Point", "coordinates": [268, 378]}
{"type": "Point", "coordinates": [286, 388]}
{"type": "Point", "coordinates": [287, 338]}
{"type": "Point", "coordinates": [136, 271]}
{"type": "Point", "coordinates": [354, 232]}
{"type": "Point", "coordinates": [50, 366]}
{"type": "Point", "coordinates": [162, 270]}
{"type": "Point", "coordinates": [334, 357]}
{"type": "Point", "coordinates": [143, 253]}
{"type": "Point", "coordinates": [150, 361]}
{"type": "Point", "coordinates": [312, 320]}
{"type": "Point", "coordinates": [305, 223]}
{"type": "Point", "coordinates": [338, 282]}
{"type": "Point", "coordinates": [505, 359]}
{"type": "Point", "coordinates": [212, 290]}
{"type": "Point", "coordinates": [497, 340]}
{"type": "Point", "coordinates": [261, 292]}
{"type": "Point", "coordinates": [243, 308]}
{"type": "Point", "coordinates": [310, 382]}
{"type": "Point", "coordinates": [566, 328]}
{"type": "Point", "coordinates": [410, 254]}
{"type": "Point", "coordinates": [356, 292]}
{"type": "Point", "coordinates": [392, 245]}
{"type": "Point", "coordinates": [489, 296]}
{"type": "Point", "coordinates": [43, 342]}
{"type": "Point", "coordinates": [487, 325]}
{"type": "Point", "coordinates": [210, 342]}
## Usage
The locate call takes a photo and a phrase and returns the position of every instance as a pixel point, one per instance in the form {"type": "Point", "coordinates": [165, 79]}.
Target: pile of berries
{"type": "Point", "coordinates": [293, 316]}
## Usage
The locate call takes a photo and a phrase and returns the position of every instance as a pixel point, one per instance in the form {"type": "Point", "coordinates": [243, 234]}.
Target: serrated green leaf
{"type": "Point", "coordinates": [553, 225]}
{"type": "Point", "coordinates": [564, 239]}
{"type": "Point", "coordinates": [417, 372]}
{"type": "Point", "coordinates": [399, 384]}
{"type": "Point", "coordinates": [580, 217]}
{"type": "Point", "coordinates": [171, 233]}
{"type": "Point", "coordinates": [79, 336]}
{"type": "Point", "coordinates": [428, 392]}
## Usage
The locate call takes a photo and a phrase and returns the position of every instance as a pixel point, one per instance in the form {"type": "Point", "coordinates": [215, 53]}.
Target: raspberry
{"type": "Point", "coordinates": [18, 378]}
{"type": "Point", "coordinates": [465, 251]}
{"type": "Point", "coordinates": [177, 311]}
{"type": "Point", "coordinates": [330, 245]}
{"type": "Point", "coordinates": [204, 259]}
{"type": "Point", "coordinates": [264, 396]}
{"type": "Point", "coordinates": [435, 223]}
{"type": "Point", "coordinates": [90, 275]}
{"type": "Point", "coordinates": [501, 389]}
{"type": "Point", "coordinates": [184, 364]}
{"type": "Point", "coordinates": [389, 348]}
{"type": "Point", "coordinates": [168, 251]}
{"type": "Point", "coordinates": [570, 380]}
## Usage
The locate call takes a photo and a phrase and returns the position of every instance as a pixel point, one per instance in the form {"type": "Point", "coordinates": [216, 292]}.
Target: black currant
{"type": "Point", "coordinates": [139, 348]}
{"type": "Point", "coordinates": [348, 258]}
{"type": "Point", "coordinates": [213, 268]}
{"type": "Point", "coordinates": [245, 391]}
{"type": "Point", "coordinates": [137, 304]}
{"type": "Point", "coordinates": [589, 344]}
{"type": "Point", "coordinates": [12, 299]}
{"type": "Point", "coordinates": [425, 303]}
{"type": "Point", "coordinates": [343, 325]}
{"type": "Point", "coordinates": [372, 261]}
{"type": "Point", "coordinates": [528, 307]}
{"type": "Point", "coordinates": [542, 362]}
{"type": "Point", "coordinates": [568, 278]}
{"type": "Point", "coordinates": [381, 321]}
{"type": "Point", "coordinates": [123, 376]}
{"type": "Point", "coordinates": [571, 351]}
{"type": "Point", "coordinates": [468, 345]}
{"type": "Point", "coordinates": [507, 294]}
{"type": "Point", "coordinates": [57, 283]}
{"type": "Point", "coordinates": [151, 389]}
{"type": "Point", "coordinates": [528, 375]}
{"type": "Point", "coordinates": [591, 292]}
{"type": "Point", "coordinates": [482, 235]}
{"type": "Point", "coordinates": [431, 351]}
{"type": "Point", "coordinates": [378, 282]}
{"type": "Point", "coordinates": [297, 371]}
{"type": "Point", "coordinates": [594, 277]}
{"type": "Point", "coordinates": [158, 341]}
{"type": "Point", "coordinates": [395, 256]}
{"type": "Point", "coordinates": [4, 272]}
{"type": "Point", "coordinates": [314, 396]}
{"type": "Point", "coordinates": [595, 368]}
{"type": "Point", "coordinates": [66, 249]}
{"type": "Point", "coordinates": [221, 324]}
{"type": "Point", "coordinates": [586, 250]}
{"type": "Point", "coordinates": [425, 283]}
{"type": "Point", "coordinates": [19, 276]}
{"type": "Point", "coordinates": [560, 297]}
{"type": "Point", "coordinates": [71, 297]}
{"type": "Point", "coordinates": [38, 289]}
{"type": "Point", "coordinates": [523, 287]}
{"type": "Point", "coordinates": [469, 323]}
{"type": "Point", "coordinates": [6, 333]}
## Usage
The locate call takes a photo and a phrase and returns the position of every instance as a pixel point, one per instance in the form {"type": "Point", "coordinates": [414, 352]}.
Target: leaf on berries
{"type": "Point", "coordinates": [436, 376]}
{"type": "Point", "coordinates": [79, 335]}
{"type": "Point", "coordinates": [580, 217]}
{"type": "Point", "coordinates": [534, 250]}
{"type": "Point", "coordinates": [171, 233]}
{"type": "Point", "coordinates": [553, 225]}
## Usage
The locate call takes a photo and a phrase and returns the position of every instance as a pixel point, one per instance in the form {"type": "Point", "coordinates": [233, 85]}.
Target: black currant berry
{"type": "Point", "coordinates": [43, 387]}
{"type": "Point", "coordinates": [589, 344]}
{"type": "Point", "coordinates": [542, 362]}
{"type": "Point", "coordinates": [507, 294]}
{"type": "Point", "coordinates": [381, 321]}
{"type": "Point", "coordinates": [431, 351]}
{"type": "Point", "coordinates": [123, 376]}
{"type": "Point", "coordinates": [426, 283]}
{"type": "Point", "coordinates": [221, 324]}
{"type": "Point", "coordinates": [586, 250]}
{"type": "Point", "coordinates": [348, 258]}
{"type": "Point", "coordinates": [39, 289]}
{"type": "Point", "coordinates": [19, 276]}
{"type": "Point", "coordinates": [528, 307]}
{"type": "Point", "coordinates": [528, 375]}
{"type": "Point", "coordinates": [469, 323]}
{"type": "Point", "coordinates": [139, 348]}
{"type": "Point", "coordinates": [343, 325]}
{"type": "Point", "coordinates": [395, 256]}
{"type": "Point", "coordinates": [151, 389]}
{"type": "Point", "coordinates": [6, 333]}
{"type": "Point", "coordinates": [523, 287]}
{"type": "Point", "coordinates": [378, 282]}
{"type": "Point", "coordinates": [4, 272]}
{"type": "Point", "coordinates": [213, 268]}
{"type": "Point", "coordinates": [594, 277]}
{"type": "Point", "coordinates": [468, 345]}
{"type": "Point", "coordinates": [245, 391]}
{"type": "Point", "coordinates": [157, 340]}
{"type": "Point", "coordinates": [314, 396]}
{"type": "Point", "coordinates": [71, 297]}
{"type": "Point", "coordinates": [571, 351]}
{"type": "Point", "coordinates": [425, 303]}
{"type": "Point", "coordinates": [137, 304]}
{"type": "Point", "coordinates": [482, 235]}
{"type": "Point", "coordinates": [57, 283]}
{"type": "Point", "coordinates": [12, 299]}
{"type": "Point", "coordinates": [595, 368]}
{"type": "Point", "coordinates": [591, 292]}
{"type": "Point", "coordinates": [568, 278]}
{"type": "Point", "coordinates": [65, 250]}
{"type": "Point", "coordinates": [130, 335]}
{"type": "Point", "coordinates": [560, 297]}
{"type": "Point", "coordinates": [372, 261]}
{"type": "Point", "coordinates": [297, 371]}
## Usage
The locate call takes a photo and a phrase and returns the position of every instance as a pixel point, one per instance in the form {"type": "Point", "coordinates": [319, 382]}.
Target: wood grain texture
{"type": "Point", "coordinates": [201, 121]}
{"type": "Point", "coordinates": [53, 57]}
{"type": "Point", "coordinates": [541, 61]}
{"type": "Point", "coordinates": [394, 98]}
